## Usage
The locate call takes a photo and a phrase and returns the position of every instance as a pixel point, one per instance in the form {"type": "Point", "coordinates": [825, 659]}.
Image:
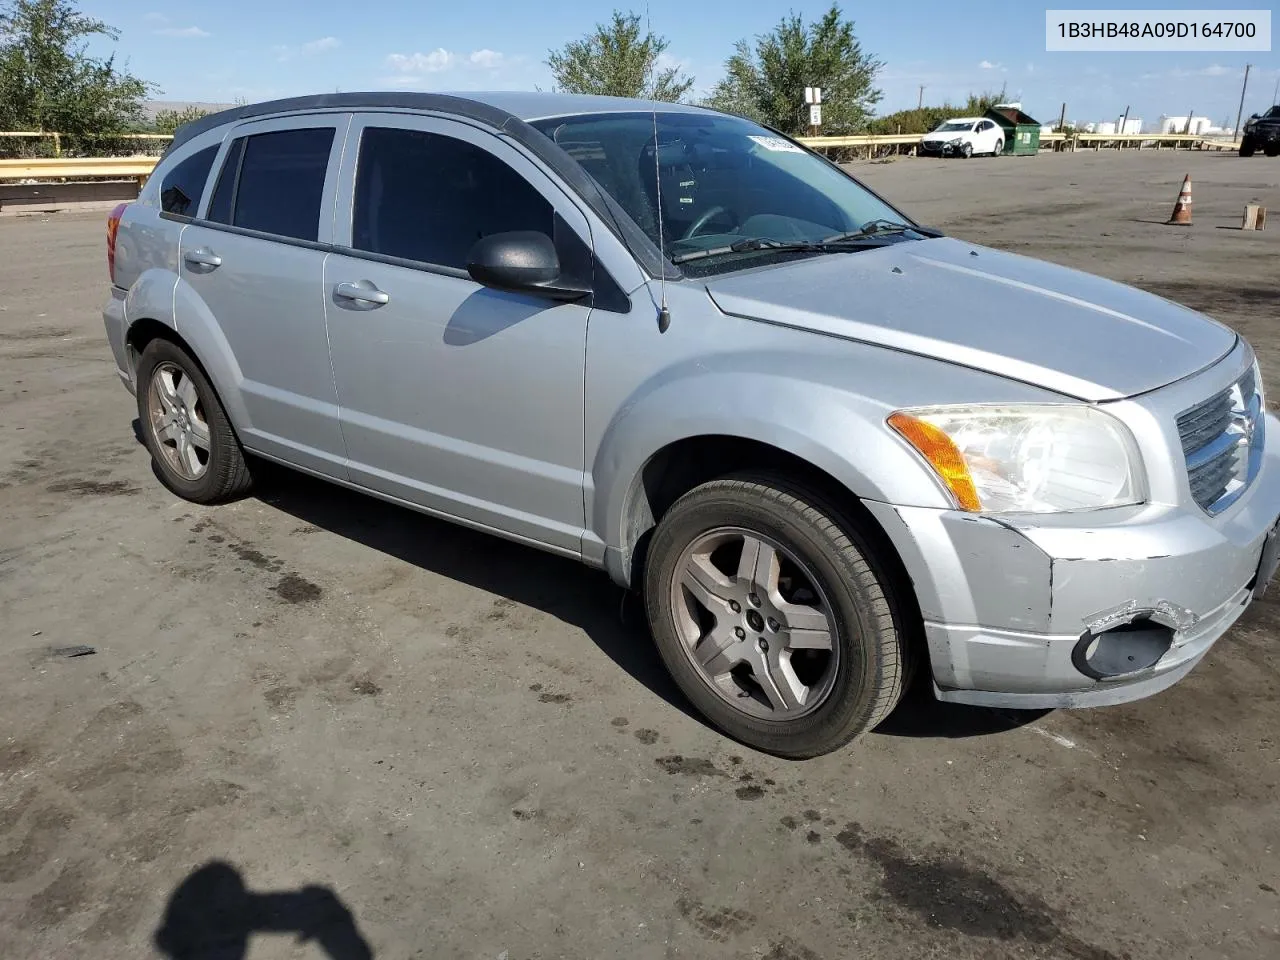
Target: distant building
{"type": "Point", "coordinates": [1128, 127]}
{"type": "Point", "coordinates": [1198, 125]}
{"type": "Point", "coordinates": [1106, 127]}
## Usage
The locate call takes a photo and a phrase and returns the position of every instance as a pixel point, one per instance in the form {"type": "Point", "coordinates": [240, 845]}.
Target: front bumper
{"type": "Point", "coordinates": [939, 149]}
{"type": "Point", "coordinates": [1007, 601]}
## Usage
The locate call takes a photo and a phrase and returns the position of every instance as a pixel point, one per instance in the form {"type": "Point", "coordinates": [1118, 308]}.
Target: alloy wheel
{"type": "Point", "coordinates": [755, 624]}
{"type": "Point", "coordinates": [178, 421]}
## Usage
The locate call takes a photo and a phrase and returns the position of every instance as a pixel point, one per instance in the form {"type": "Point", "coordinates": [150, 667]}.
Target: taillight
{"type": "Point", "coordinates": [113, 227]}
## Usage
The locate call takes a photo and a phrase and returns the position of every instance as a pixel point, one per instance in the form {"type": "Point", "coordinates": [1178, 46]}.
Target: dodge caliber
{"type": "Point", "coordinates": [828, 445]}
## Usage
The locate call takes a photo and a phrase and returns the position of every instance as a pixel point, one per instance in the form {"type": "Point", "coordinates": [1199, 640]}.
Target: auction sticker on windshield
{"type": "Point", "coordinates": [776, 144]}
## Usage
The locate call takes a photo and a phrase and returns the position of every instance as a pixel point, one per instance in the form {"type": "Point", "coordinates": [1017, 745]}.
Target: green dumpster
{"type": "Point", "coordinates": [1021, 132]}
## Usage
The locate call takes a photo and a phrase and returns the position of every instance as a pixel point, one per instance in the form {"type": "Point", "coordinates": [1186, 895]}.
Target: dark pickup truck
{"type": "Point", "coordinates": [1262, 132]}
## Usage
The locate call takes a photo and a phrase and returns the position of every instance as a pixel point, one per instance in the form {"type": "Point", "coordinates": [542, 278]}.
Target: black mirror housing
{"type": "Point", "coordinates": [521, 261]}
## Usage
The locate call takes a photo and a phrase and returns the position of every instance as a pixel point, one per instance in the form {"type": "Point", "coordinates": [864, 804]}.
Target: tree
{"type": "Point", "coordinates": [766, 81]}
{"type": "Point", "coordinates": [617, 62]}
{"type": "Point", "coordinates": [48, 80]}
{"type": "Point", "coordinates": [168, 121]}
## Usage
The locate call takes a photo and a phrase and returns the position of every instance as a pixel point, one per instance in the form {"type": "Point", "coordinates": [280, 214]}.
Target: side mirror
{"type": "Point", "coordinates": [522, 261]}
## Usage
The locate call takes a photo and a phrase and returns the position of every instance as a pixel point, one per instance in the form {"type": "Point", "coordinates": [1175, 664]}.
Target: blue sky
{"type": "Point", "coordinates": [258, 49]}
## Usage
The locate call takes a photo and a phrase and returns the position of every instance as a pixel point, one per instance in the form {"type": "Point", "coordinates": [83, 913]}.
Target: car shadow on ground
{"type": "Point", "coordinates": [612, 618]}
{"type": "Point", "coordinates": [211, 915]}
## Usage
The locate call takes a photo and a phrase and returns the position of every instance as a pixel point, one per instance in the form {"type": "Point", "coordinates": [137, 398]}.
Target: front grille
{"type": "Point", "coordinates": [1220, 439]}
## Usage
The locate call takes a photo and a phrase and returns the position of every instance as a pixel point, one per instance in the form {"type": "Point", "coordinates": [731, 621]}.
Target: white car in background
{"type": "Point", "coordinates": [963, 137]}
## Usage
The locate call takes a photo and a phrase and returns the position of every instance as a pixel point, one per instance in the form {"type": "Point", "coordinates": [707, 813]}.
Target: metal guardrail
{"type": "Point", "coordinates": [78, 168]}
{"type": "Point", "coordinates": [140, 167]}
{"type": "Point", "coordinates": [1053, 140]}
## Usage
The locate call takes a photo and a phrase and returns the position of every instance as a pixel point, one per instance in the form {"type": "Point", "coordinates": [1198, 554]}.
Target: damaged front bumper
{"type": "Point", "coordinates": [1075, 610]}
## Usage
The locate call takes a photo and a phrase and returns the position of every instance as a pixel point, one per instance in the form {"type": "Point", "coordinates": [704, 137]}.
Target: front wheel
{"type": "Point", "coordinates": [185, 428]}
{"type": "Point", "coordinates": [1271, 151]}
{"type": "Point", "coordinates": [999, 148]}
{"type": "Point", "coordinates": [772, 614]}
{"type": "Point", "coordinates": [966, 150]}
{"type": "Point", "coordinates": [1247, 147]}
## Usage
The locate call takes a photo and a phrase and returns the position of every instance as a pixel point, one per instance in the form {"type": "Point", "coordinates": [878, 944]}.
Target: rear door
{"type": "Point", "coordinates": [256, 261]}
{"type": "Point", "coordinates": [457, 397]}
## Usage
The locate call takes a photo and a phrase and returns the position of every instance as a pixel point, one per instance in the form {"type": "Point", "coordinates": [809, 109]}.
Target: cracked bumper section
{"type": "Point", "coordinates": [1005, 602]}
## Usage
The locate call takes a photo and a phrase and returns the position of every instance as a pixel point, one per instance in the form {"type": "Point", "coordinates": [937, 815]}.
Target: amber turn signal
{"type": "Point", "coordinates": [942, 454]}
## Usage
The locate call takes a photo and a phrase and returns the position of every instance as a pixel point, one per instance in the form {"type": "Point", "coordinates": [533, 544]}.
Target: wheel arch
{"type": "Point", "coordinates": [683, 464]}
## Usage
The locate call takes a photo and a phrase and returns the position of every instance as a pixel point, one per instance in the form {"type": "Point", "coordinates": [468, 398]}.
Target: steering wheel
{"type": "Point", "coordinates": [703, 219]}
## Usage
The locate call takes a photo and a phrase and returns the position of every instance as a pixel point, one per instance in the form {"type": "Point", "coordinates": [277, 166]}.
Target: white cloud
{"type": "Point", "coordinates": [1217, 70]}
{"type": "Point", "coordinates": [485, 59]}
{"type": "Point", "coordinates": [408, 67]}
{"type": "Point", "coordinates": [311, 48]}
{"type": "Point", "coordinates": [1031, 68]}
{"type": "Point", "coordinates": [180, 32]}
{"type": "Point", "coordinates": [155, 18]}
{"type": "Point", "coordinates": [321, 45]}
{"type": "Point", "coordinates": [988, 65]}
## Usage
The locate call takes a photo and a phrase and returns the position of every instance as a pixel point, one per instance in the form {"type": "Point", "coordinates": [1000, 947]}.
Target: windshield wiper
{"type": "Point", "coordinates": [835, 245]}
{"type": "Point", "coordinates": [870, 229]}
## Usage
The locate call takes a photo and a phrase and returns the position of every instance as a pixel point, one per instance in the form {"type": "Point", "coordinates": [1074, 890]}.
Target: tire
{"type": "Point", "coordinates": [169, 381]}
{"type": "Point", "coordinates": [1247, 147]}
{"type": "Point", "coordinates": [851, 687]}
{"type": "Point", "coordinates": [966, 150]}
{"type": "Point", "coordinates": [1272, 151]}
{"type": "Point", "coordinates": [999, 148]}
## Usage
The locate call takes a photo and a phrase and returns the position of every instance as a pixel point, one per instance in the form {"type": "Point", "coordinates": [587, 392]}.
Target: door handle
{"type": "Point", "coordinates": [202, 257]}
{"type": "Point", "coordinates": [362, 291]}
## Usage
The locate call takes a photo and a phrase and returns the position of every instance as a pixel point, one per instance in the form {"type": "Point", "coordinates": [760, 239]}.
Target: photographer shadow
{"type": "Point", "coordinates": [211, 916]}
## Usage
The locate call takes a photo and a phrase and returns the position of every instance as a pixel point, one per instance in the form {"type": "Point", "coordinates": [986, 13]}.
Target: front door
{"type": "Point", "coordinates": [463, 399]}
{"type": "Point", "coordinates": [256, 262]}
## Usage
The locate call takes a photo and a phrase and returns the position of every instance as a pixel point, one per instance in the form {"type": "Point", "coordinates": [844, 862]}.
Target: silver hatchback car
{"type": "Point", "coordinates": [826, 442]}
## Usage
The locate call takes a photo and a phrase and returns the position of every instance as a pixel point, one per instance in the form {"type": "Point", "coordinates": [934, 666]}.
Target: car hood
{"type": "Point", "coordinates": [944, 137]}
{"type": "Point", "coordinates": [1068, 331]}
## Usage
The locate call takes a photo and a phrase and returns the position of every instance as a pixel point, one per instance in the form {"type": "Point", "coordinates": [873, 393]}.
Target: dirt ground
{"type": "Point", "coordinates": [324, 726]}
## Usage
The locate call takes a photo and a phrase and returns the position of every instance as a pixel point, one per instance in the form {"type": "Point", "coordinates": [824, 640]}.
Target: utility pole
{"type": "Point", "coordinates": [920, 101]}
{"type": "Point", "coordinates": [1124, 121]}
{"type": "Point", "coordinates": [1243, 88]}
{"type": "Point", "coordinates": [1062, 118]}
{"type": "Point", "coordinates": [1275, 94]}
{"type": "Point", "coordinates": [1188, 127]}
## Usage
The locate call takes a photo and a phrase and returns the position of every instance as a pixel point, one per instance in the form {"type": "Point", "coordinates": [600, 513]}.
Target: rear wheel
{"type": "Point", "coordinates": [771, 614]}
{"type": "Point", "coordinates": [999, 148]}
{"type": "Point", "coordinates": [1247, 147]}
{"type": "Point", "coordinates": [185, 428]}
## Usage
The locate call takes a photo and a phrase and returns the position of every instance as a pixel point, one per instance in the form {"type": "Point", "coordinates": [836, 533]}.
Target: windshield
{"type": "Point", "coordinates": [953, 126]}
{"type": "Point", "coordinates": [1273, 113]}
{"type": "Point", "coordinates": [721, 180]}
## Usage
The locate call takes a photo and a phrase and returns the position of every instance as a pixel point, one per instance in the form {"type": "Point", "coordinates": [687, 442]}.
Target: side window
{"type": "Point", "coordinates": [274, 182]}
{"type": "Point", "coordinates": [220, 204]}
{"type": "Point", "coordinates": [182, 186]}
{"type": "Point", "coordinates": [429, 198]}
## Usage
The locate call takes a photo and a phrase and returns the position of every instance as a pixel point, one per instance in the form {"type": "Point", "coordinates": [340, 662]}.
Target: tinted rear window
{"type": "Point", "coordinates": [280, 183]}
{"type": "Point", "coordinates": [182, 186]}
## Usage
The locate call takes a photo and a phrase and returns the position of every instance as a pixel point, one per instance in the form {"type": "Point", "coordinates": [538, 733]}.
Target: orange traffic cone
{"type": "Point", "coordinates": [1182, 209]}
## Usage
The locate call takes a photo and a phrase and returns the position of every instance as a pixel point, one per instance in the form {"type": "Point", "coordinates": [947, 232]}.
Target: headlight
{"type": "Point", "coordinates": [952, 142]}
{"type": "Point", "coordinates": [1035, 458]}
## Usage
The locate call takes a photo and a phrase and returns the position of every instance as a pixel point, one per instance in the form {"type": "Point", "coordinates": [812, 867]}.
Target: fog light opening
{"type": "Point", "coordinates": [1123, 649]}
